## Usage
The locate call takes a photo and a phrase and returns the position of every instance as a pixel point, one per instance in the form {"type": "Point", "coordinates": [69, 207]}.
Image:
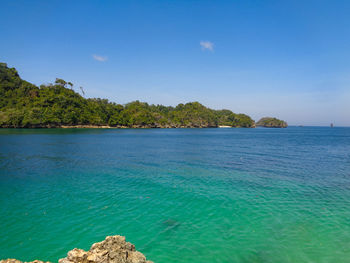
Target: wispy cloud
{"type": "Point", "coordinates": [99, 58]}
{"type": "Point", "coordinates": [207, 45]}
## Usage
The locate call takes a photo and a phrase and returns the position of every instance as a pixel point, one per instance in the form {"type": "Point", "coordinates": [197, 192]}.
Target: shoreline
{"type": "Point", "coordinates": [134, 127]}
{"type": "Point", "coordinates": [119, 127]}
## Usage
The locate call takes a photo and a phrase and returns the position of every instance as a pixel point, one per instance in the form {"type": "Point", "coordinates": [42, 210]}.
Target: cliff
{"type": "Point", "coordinates": [114, 249]}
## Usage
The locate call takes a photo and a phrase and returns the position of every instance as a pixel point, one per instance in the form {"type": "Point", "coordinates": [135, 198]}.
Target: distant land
{"type": "Point", "coordinates": [58, 105]}
{"type": "Point", "coordinates": [270, 122]}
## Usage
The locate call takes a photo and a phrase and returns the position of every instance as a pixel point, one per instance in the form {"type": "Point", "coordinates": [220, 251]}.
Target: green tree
{"type": "Point", "coordinates": [23, 104]}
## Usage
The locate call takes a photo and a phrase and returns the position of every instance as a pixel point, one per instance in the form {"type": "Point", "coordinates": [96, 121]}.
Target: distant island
{"type": "Point", "coordinates": [58, 105]}
{"type": "Point", "coordinates": [270, 122]}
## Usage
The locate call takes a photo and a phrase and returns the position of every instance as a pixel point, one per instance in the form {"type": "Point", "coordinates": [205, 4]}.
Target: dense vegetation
{"type": "Point", "coordinates": [270, 122]}
{"type": "Point", "coordinates": [23, 104]}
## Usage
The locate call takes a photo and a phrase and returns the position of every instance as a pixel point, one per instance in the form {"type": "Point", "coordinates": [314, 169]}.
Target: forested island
{"type": "Point", "coordinates": [270, 122]}
{"type": "Point", "coordinates": [24, 105]}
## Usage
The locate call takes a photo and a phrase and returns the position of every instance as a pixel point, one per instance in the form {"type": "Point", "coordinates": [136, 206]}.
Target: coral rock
{"type": "Point", "coordinates": [114, 249]}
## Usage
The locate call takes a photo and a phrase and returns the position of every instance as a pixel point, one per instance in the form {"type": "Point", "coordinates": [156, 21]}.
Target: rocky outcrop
{"type": "Point", "coordinates": [270, 122]}
{"type": "Point", "coordinates": [114, 249]}
{"type": "Point", "coordinates": [11, 260]}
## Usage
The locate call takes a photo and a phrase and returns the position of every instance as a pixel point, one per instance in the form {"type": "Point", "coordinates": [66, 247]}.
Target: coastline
{"type": "Point", "coordinates": [116, 127]}
{"type": "Point", "coordinates": [111, 127]}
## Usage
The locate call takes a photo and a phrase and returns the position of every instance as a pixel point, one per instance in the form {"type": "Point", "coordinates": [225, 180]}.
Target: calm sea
{"type": "Point", "coordinates": [180, 195]}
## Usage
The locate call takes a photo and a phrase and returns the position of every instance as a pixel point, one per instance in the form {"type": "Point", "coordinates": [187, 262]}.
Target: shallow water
{"type": "Point", "coordinates": [180, 195]}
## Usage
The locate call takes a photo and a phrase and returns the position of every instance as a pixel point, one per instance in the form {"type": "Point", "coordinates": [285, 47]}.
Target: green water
{"type": "Point", "coordinates": [180, 195]}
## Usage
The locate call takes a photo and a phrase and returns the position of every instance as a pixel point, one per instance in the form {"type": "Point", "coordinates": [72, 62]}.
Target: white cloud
{"type": "Point", "coordinates": [99, 58]}
{"type": "Point", "coordinates": [207, 45]}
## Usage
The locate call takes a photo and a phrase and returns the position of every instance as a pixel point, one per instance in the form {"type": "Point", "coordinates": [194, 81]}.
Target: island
{"type": "Point", "coordinates": [270, 122]}
{"type": "Point", "coordinates": [62, 105]}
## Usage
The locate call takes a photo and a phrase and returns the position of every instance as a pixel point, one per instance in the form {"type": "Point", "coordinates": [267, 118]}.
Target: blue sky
{"type": "Point", "coordinates": [289, 59]}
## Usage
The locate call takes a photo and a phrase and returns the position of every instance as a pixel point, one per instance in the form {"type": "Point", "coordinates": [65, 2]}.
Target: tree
{"type": "Point", "coordinates": [23, 104]}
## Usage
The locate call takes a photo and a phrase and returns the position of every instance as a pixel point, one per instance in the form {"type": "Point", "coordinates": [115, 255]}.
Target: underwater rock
{"type": "Point", "coordinates": [114, 249]}
{"type": "Point", "coordinates": [171, 224]}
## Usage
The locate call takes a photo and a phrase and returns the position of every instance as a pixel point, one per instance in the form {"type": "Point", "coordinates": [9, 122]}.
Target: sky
{"type": "Point", "coordinates": [286, 59]}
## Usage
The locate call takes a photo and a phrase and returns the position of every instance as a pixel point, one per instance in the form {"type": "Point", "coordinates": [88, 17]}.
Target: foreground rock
{"type": "Point", "coordinates": [114, 249]}
{"type": "Point", "coordinates": [11, 260]}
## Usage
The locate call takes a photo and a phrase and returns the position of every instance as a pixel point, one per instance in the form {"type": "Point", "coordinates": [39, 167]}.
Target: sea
{"type": "Point", "coordinates": [180, 195]}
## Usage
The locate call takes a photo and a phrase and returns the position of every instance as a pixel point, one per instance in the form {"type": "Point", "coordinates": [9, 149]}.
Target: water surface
{"type": "Point", "coordinates": [180, 195]}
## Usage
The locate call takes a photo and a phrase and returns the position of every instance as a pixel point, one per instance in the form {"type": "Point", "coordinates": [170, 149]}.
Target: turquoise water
{"type": "Point", "coordinates": [180, 195]}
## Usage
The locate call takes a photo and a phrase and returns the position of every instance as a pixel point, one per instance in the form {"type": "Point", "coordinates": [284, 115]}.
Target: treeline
{"type": "Point", "coordinates": [23, 104]}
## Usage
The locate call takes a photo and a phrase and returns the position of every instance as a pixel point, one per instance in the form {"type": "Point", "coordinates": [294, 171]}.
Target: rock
{"type": "Point", "coordinates": [114, 249]}
{"type": "Point", "coordinates": [12, 260]}
{"type": "Point", "coordinates": [270, 122]}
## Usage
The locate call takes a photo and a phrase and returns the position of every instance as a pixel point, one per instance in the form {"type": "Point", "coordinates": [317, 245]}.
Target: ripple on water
{"type": "Point", "coordinates": [209, 195]}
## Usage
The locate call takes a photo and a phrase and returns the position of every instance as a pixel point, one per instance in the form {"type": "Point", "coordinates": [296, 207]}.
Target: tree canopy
{"type": "Point", "coordinates": [23, 104]}
{"type": "Point", "coordinates": [270, 122]}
